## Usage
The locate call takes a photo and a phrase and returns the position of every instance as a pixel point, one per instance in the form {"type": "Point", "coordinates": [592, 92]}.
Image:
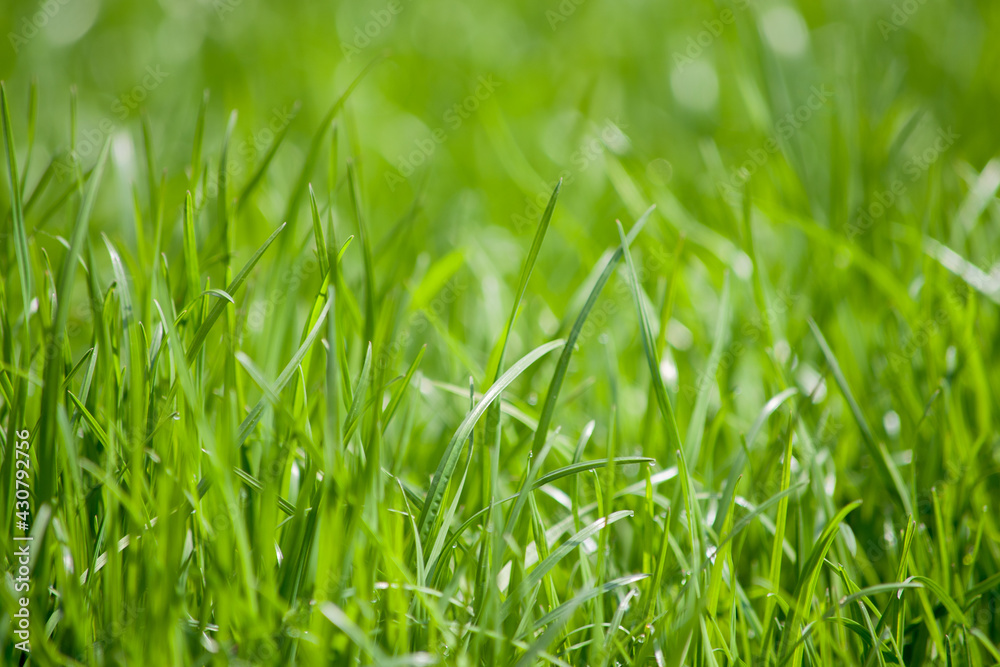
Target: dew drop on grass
{"type": "Point", "coordinates": [782, 351]}
{"type": "Point", "coordinates": [668, 371]}
{"type": "Point", "coordinates": [891, 423]}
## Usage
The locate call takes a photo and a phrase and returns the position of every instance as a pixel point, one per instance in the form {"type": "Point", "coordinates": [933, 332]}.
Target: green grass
{"type": "Point", "coordinates": [567, 389]}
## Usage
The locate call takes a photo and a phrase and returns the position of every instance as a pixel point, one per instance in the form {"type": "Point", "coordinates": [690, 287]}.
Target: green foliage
{"type": "Point", "coordinates": [669, 336]}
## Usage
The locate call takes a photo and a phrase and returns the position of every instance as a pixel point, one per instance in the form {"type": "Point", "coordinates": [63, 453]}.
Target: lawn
{"type": "Point", "coordinates": [578, 332]}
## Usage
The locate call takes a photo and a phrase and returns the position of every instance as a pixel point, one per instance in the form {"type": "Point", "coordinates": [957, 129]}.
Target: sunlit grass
{"type": "Point", "coordinates": [705, 376]}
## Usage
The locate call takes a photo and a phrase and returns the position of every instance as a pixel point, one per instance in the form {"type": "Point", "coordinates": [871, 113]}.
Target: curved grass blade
{"type": "Point", "coordinates": [548, 478]}
{"type": "Point", "coordinates": [807, 584]}
{"type": "Point", "coordinates": [562, 365]}
{"type": "Point", "coordinates": [876, 450]}
{"type": "Point", "coordinates": [535, 576]}
{"type": "Point", "coordinates": [429, 512]}
{"type": "Point", "coordinates": [202, 333]}
{"type": "Point", "coordinates": [660, 390]}
{"type": "Point", "coordinates": [279, 384]}
{"type": "Point", "coordinates": [568, 606]}
{"type": "Point", "coordinates": [318, 236]}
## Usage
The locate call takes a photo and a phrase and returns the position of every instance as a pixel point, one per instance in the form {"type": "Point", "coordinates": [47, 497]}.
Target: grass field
{"type": "Point", "coordinates": [576, 332]}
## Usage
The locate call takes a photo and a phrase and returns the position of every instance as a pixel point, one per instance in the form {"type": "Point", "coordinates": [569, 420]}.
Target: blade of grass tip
{"type": "Point", "coordinates": [673, 434]}
{"type": "Point", "coordinates": [562, 365]}
{"type": "Point", "coordinates": [779, 538]}
{"type": "Point", "coordinates": [888, 618]}
{"type": "Point", "coordinates": [404, 385]}
{"type": "Point", "coordinates": [666, 409]}
{"type": "Point", "coordinates": [616, 623]}
{"type": "Point", "coordinates": [202, 333]}
{"type": "Point", "coordinates": [497, 358]}
{"type": "Point", "coordinates": [258, 174]}
{"type": "Point", "coordinates": [279, 384]}
{"type": "Point", "coordinates": [17, 212]}
{"type": "Point", "coordinates": [318, 237]}
{"type": "Point", "coordinates": [876, 450]}
{"type": "Point", "coordinates": [54, 361]}
{"type": "Point", "coordinates": [542, 548]}
{"type": "Point", "coordinates": [495, 365]}
{"type": "Point", "coordinates": [360, 395]}
{"type": "Point", "coordinates": [446, 467]}
{"type": "Point", "coordinates": [535, 464]}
